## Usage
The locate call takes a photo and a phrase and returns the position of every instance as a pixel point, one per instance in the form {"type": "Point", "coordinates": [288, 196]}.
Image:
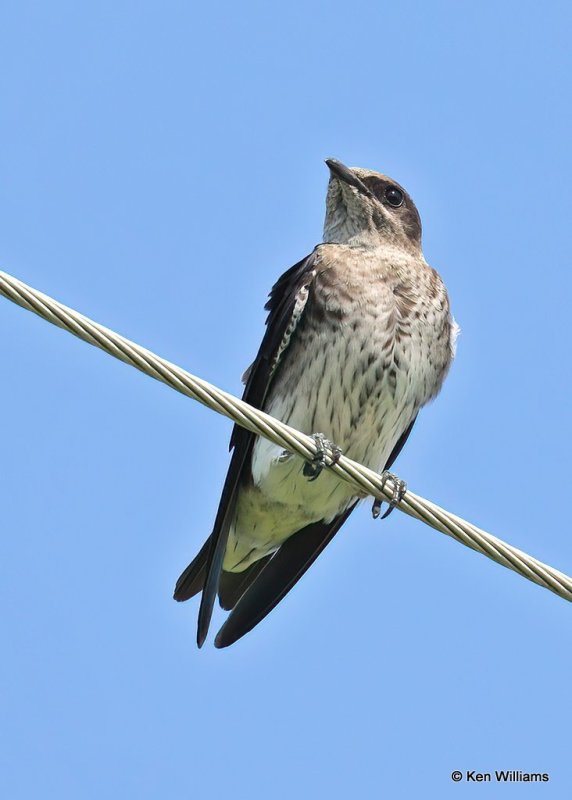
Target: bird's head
{"type": "Point", "coordinates": [366, 208]}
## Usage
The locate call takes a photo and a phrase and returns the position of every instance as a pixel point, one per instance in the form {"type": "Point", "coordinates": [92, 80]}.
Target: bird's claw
{"type": "Point", "coordinates": [313, 468]}
{"type": "Point", "coordinates": [399, 489]}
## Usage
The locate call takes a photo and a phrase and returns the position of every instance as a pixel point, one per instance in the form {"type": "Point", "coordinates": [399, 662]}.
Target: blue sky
{"type": "Point", "coordinates": [161, 164]}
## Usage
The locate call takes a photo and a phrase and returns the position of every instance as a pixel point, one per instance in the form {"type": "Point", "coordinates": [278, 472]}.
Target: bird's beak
{"type": "Point", "coordinates": [343, 173]}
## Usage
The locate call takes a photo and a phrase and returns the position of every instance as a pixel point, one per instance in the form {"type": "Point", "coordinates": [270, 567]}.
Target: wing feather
{"type": "Point", "coordinates": [285, 305]}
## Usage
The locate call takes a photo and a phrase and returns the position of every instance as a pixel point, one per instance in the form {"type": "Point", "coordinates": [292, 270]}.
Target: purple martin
{"type": "Point", "coordinates": [359, 337]}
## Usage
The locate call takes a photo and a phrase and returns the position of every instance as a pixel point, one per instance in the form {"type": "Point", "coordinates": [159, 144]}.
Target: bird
{"type": "Point", "coordinates": [359, 336]}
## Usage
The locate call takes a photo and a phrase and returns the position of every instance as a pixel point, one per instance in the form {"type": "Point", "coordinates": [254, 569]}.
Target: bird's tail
{"type": "Point", "coordinates": [192, 580]}
{"type": "Point", "coordinates": [232, 584]}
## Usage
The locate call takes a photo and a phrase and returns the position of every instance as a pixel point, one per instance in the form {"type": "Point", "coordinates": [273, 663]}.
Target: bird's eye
{"type": "Point", "coordinates": [394, 196]}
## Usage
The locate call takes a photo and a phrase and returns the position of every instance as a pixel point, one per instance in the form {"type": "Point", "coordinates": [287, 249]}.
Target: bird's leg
{"type": "Point", "coordinates": [399, 489]}
{"type": "Point", "coordinates": [313, 468]}
{"type": "Point", "coordinates": [335, 453]}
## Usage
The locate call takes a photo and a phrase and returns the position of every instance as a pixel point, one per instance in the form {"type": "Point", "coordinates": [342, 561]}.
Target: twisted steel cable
{"type": "Point", "coordinates": [364, 481]}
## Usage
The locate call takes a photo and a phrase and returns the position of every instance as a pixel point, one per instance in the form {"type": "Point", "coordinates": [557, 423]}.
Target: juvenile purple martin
{"type": "Point", "coordinates": [359, 337]}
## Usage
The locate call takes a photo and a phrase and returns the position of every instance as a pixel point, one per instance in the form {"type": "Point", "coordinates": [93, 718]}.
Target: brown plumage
{"type": "Point", "coordinates": [359, 337]}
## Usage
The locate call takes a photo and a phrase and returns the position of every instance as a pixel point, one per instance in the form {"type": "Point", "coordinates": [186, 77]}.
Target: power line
{"type": "Point", "coordinates": [365, 481]}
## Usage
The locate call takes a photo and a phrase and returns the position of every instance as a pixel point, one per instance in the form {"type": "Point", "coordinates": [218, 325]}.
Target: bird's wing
{"type": "Point", "coordinates": [280, 574]}
{"type": "Point", "coordinates": [285, 306]}
{"type": "Point", "coordinates": [400, 444]}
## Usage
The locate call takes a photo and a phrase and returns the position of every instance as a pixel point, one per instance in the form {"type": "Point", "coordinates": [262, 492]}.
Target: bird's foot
{"type": "Point", "coordinates": [399, 489]}
{"type": "Point", "coordinates": [325, 448]}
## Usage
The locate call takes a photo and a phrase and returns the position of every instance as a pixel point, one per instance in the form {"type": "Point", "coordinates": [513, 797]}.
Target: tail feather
{"type": "Point", "coordinates": [283, 570]}
{"type": "Point", "coordinates": [234, 584]}
{"type": "Point", "coordinates": [192, 580]}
